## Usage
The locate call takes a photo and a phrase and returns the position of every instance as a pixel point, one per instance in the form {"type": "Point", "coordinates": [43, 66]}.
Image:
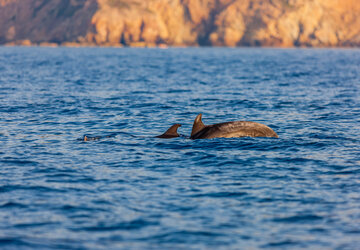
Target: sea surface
{"type": "Point", "coordinates": [129, 190]}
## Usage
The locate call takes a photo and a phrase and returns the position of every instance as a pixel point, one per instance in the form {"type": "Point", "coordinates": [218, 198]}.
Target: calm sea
{"type": "Point", "coordinates": [134, 191]}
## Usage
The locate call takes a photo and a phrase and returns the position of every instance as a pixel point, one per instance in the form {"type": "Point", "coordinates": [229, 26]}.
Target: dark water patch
{"type": "Point", "coordinates": [221, 195]}
{"type": "Point", "coordinates": [30, 243]}
{"type": "Point", "coordinates": [60, 170]}
{"type": "Point", "coordinates": [296, 74]}
{"type": "Point", "coordinates": [12, 205]}
{"type": "Point", "coordinates": [42, 189]}
{"type": "Point", "coordinates": [318, 230]}
{"type": "Point", "coordinates": [232, 163]}
{"type": "Point", "coordinates": [80, 82]}
{"type": "Point", "coordinates": [122, 125]}
{"type": "Point", "coordinates": [284, 243]}
{"type": "Point", "coordinates": [103, 202]}
{"type": "Point", "coordinates": [354, 231]}
{"type": "Point", "coordinates": [341, 172]}
{"type": "Point", "coordinates": [58, 175]}
{"type": "Point", "coordinates": [176, 91]}
{"type": "Point", "coordinates": [32, 224]}
{"type": "Point", "coordinates": [70, 111]}
{"type": "Point", "coordinates": [130, 225]}
{"type": "Point", "coordinates": [299, 160]}
{"type": "Point", "coordinates": [299, 219]}
{"type": "Point", "coordinates": [80, 208]}
{"type": "Point", "coordinates": [185, 236]}
{"type": "Point", "coordinates": [17, 162]}
{"type": "Point", "coordinates": [11, 241]}
{"type": "Point", "coordinates": [70, 179]}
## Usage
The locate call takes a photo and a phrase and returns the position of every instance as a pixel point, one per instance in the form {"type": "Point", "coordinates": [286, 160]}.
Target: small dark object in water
{"type": "Point", "coordinates": [94, 138]}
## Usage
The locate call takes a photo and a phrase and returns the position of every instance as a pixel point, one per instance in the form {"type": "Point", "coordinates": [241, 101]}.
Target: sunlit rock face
{"type": "Point", "coordinates": [50, 21]}
{"type": "Point", "coordinates": [283, 23]}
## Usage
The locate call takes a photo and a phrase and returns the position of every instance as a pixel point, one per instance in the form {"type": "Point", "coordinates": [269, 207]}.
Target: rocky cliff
{"type": "Point", "coordinates": [51, 21]}
{"type": "Point", "coordinates": [282, 23]}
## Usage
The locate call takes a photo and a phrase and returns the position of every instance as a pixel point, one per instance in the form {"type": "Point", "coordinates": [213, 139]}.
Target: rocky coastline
{"type": "Point", "coordinates": [162, 23]}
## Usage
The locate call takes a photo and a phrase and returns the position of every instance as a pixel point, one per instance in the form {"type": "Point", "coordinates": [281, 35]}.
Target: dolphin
{"type": "Point", "coordinates": [171, 132]}
{"type": "Point", "coordinates": [230, 129]}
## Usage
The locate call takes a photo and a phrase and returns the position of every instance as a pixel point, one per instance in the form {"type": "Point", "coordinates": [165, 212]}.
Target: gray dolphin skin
{"type": "Point", "coordinates": [230, 129]}
{"type": "Point", "coordinates": [171, 132]}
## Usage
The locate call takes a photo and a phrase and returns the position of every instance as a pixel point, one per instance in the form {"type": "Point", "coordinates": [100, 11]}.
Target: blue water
{"type": "Point", "coordinates": [134, 191]}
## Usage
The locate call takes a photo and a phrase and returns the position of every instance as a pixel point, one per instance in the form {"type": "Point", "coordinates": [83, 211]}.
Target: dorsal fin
{"type": "Point", "coordinates": [198, 125]}
{"type": "Point", "coordinates": [171, 132]}
{"type": "Point", "coordinates": [173, 129]}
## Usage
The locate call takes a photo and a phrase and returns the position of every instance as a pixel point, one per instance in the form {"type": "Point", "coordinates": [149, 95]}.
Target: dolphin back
{"type": "Point", "coordinates": [235, 129]}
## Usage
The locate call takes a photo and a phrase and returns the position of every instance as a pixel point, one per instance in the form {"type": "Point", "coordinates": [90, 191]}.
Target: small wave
{"type": "Point", "coordinates": [32, 224]}
{"type": "Point", "coordinates": [73, 208]}
{"type": "Point", "coordinates": [11, 241]}
{"type": "Point", "coordinates": [18, 162]}
{"type": "Point", "coordinates": [284, 243]}
{"type": "Point", "coordinates": [299, 219]}
{"type": "Point", "coordinates": [9, 188]}
{"type": "Point", "coordinates": [12, 205]}
{"type": "Point", "coordinates": [175, 91]}
{"type": "Point", "coordinates": [130, 225]}
{"type": "Point", "coordinates": [183, 236]}
{"type": "Point", "coordinates": [220, 194]}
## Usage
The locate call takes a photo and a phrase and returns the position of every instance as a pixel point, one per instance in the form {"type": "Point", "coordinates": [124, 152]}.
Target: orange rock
{"type": "Point", "coordinates": [182, 22]}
